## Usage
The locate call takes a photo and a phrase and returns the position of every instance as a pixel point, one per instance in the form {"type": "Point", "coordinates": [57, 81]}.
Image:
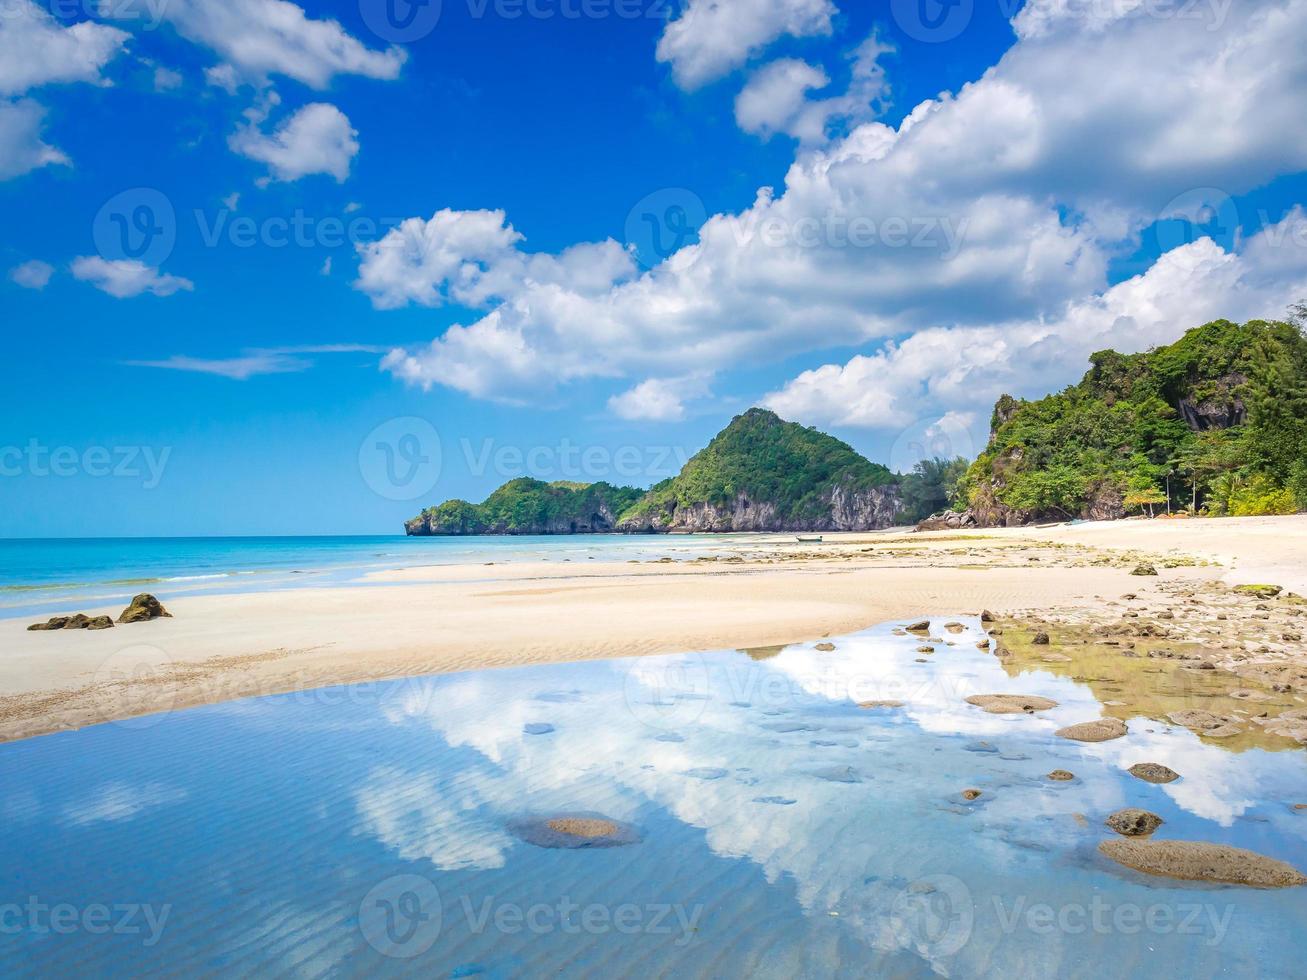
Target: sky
{"type": "Point", "coordinates": [278, 269]}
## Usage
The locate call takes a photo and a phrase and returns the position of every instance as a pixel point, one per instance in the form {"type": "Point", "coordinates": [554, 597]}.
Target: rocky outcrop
{"type": "Point", "coordinates": [1218, 408]}
{"type": "Point", "coordinates": [842, 509]}
{"type": "Point", "coordinates": [948, 520]}
{"type": "Point", "coordinates": [143, 608]}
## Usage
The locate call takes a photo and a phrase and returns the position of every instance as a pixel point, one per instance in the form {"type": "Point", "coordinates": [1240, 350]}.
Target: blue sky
{"type": "Point", "coordinates": [964, 200]}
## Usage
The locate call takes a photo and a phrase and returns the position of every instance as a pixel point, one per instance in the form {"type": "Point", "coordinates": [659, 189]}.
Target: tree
{"type": "Point", "coordinates": [1136, 499]}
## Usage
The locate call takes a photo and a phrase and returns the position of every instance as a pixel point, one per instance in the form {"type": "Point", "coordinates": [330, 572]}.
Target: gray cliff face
{"type": "Point", "coordinates": [845, 510]}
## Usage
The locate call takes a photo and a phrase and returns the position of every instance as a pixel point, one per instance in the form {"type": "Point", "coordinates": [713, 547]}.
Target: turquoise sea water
{"type": "Point", "coordinates": [64, 573]}
{"type": "Point", "coordinates": [768, 827]}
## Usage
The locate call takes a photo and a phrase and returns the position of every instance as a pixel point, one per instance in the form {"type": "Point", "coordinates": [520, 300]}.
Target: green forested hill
{"type": "Point", "coordinates": [526, 506]}
{"type": "Point", "coordinates": [762, 472]}
{"type": "Point", "coordinates": [1222, 412]}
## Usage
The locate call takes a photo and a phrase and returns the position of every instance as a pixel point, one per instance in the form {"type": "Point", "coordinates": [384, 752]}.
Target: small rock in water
{"type": "Point", "coordinates": [1061, 775]}
{"type": "Point", "coordinates": [1133, 822]}
{"type": "Point", "coordinates": [955, 627]}
{"type": "Point", "coordinates": [920, 627]}
{"type": "Point", "coordinates": [776, 800]}
{"type": "Point", "coordinates": [1010, 704]}
{"type": "Point", "coordinates": [574, 830]}
{"type": "Point", "coordinates": [705, 772]}
{"type": "Point", "coordinates": [880, 704]}
{"type": "Point", "coordinates": [1100, 730]}
{"type": "Point", "coordinates": [971, 794]}
{"type": "Point", "coordinates": [987, 617]}
{"type": "Point", "coordinates": [537, 728]}
{"type": "Point", "coordinates": [1201, 861]}
{"type": "Point", "coordinates": [925, 649]}
{"type": "Point", "coordinates": [144, 607]}
{"type": "Point", "coordinates": [825, 647]}
{"type": "Point", "coordinates": [984, 747]}
{"type": "Point", "coordinates": [982, 645]}
{"type": "Point", "coordinates": [1153, 772]}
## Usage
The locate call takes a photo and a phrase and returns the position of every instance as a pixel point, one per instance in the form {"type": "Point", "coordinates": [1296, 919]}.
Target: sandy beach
{"type": "Point", "coordinates": [776, 591]}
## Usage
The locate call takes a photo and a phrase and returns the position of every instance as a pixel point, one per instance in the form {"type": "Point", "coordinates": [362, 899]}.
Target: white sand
{"type": "Point", "coordinates": [449, 618]}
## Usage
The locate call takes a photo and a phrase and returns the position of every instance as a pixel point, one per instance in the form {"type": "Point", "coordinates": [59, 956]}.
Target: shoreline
{"type": "Point", "coordinates": [767, 592]}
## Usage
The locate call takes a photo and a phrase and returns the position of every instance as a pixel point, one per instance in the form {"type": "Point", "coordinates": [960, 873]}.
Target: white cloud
{"type": "Point", "coordinates": [232, 201]}
{"type": "Point", "coordinates": [259, 38]}
{"type": "Point", "coordinates": [166, 79]}
{"type": "Point", "coordinates": [775, 99]}
{"type": "Point", "coordinates": [35, 49]}
{"type": "Point", "coordinates": [317, 139]}
{"type": "Point", "coordinates": [326, 267]}
{"type": "Point", "coordinates": [657, 399]}
{"type": "Point", "coordinates": [984, 217]}
{"type": "Point", "coordinates": [257, 362]}
{"type": "Point", "coordinates": [972, 366]}
{"type": "Point", "coordinates": [32, 275]}
{"type": "Point", "coordinates": [714, 37]}
{"type": "Point", "coordinates": [125, 278]}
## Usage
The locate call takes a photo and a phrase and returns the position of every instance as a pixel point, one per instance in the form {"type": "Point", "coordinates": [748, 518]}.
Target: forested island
{"type": "Point", "coordinates": [1215, 423]}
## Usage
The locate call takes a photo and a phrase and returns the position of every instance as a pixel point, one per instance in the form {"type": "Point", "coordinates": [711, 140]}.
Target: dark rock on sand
{"type": "Point", "coordinates": [1010, 704]}
{"type": "Point", "coordinates": [987, 617]}
{"type": "Point", "coordinates": [100, 623]}
{"type": "Point", "coordinates": [79, 622]}
{"type": "Point", "coordinates": [1133, 822]}
{"type": "Point", "coordinates": [1200, 861]}
{"type": "Point", "coordinates": [1144, 570]}
{"type": "Point", "coordinates": [1061, 776]}
{"type": "Point", "coordinates": [54, 623]}
{"type": "Point", "coordinates": [144, 607]}
{"type": "Point", "coordinates": [1099, 730]}
{"type": "Point", "coordinates": [1041, 639]}
{"type": "Point", "coordinates": [1153, 772]}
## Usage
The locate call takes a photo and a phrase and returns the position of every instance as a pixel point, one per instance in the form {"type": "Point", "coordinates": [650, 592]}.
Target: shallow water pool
{"type": "Point", "coordinates": [763, 824]}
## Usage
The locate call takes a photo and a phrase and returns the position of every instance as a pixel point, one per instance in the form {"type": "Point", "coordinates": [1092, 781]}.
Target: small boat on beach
{"type": "Point", "coordinates": [808, 538]}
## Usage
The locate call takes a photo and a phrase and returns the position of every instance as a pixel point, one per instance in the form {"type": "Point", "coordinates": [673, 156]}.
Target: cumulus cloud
{"type": "Point", "coordinates": [32, 275]}
{"type": "Point", "coordinates": [35, 49]}
{"type": "Point", "coordinates": [713, 37]}
{"type": "Point", "coordinates": [985, 217]}
{"type": "Point", "coordinates": [22, 148]}
{"type": "Point", "coordinates": [317, 139]}
{"type": "Point", "coordinates": [972, 366]}
{"type": "Point", "coordinates": [125, 278]}
{"type": "Point", "coordinates": [259, 38]}
{"type": "Point", "coordinates": [776, 97]}
{"type": "Point", "coordinates": [657, 399]}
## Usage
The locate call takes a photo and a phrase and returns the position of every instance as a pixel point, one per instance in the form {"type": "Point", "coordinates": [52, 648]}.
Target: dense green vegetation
{"type": "Point", "coordinates": [932, 486]}
{"type": "Point", "coordinates": [526, 506]}
{"type": "Point", "coordinates": [1218, 420]}
{"type": "Point", "coordinates": [761, 457]}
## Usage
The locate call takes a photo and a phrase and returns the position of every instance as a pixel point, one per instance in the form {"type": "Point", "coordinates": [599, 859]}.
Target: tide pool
{"type": "Point", "coordinates": [763, 824]}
